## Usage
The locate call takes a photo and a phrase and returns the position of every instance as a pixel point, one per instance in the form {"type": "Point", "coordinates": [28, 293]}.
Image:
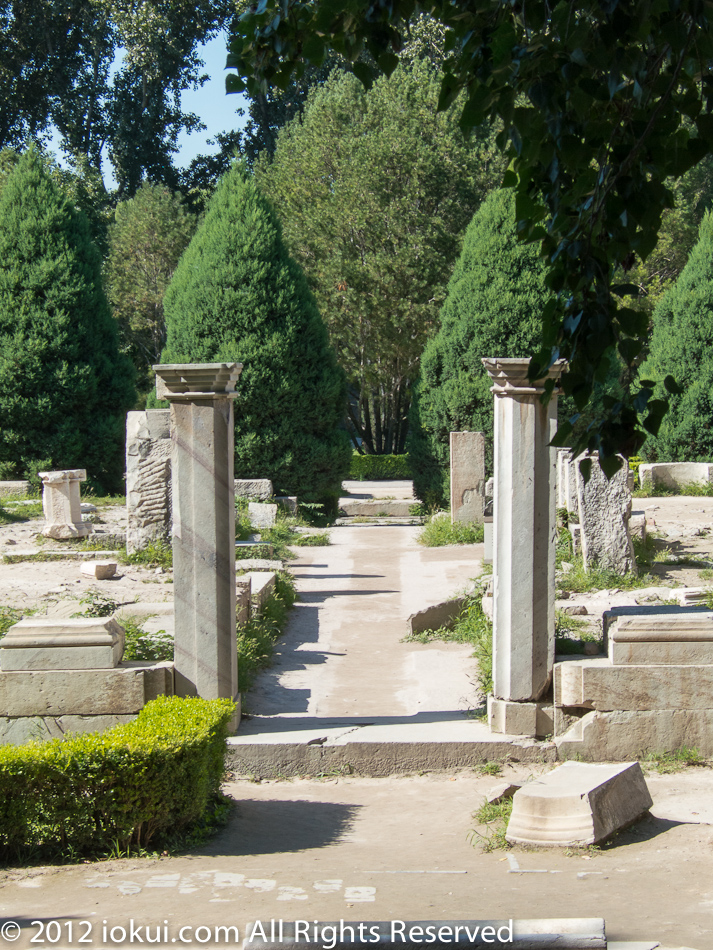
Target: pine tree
{"type": "Point", "coordinates": [237, 296]}
{"type": "Point", "coordinates": [495, 298]}
{"type": "Point", "coordinates": [64, 386]}
{"type": "Point", "coordinates": [682, 345]}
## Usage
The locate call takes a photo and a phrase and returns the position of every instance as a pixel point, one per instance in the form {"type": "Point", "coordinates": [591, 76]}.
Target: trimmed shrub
{"type": "Point", "coordinates": [238, 296]}
{"type": "Point", "coordinates": [682, 345]}
{"type": "Point", "coordinates": [373, 467]}
{"type": "Point", "coordinates": [89, 793]}
{"type": "Point", "coordinates": [64, 386]}
{"type": "Point", "coordinates": [495, 299]}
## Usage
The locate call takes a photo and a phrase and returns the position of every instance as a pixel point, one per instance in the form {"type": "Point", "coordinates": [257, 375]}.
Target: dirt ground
{"type": "Point", "coordinates": [364, 849]}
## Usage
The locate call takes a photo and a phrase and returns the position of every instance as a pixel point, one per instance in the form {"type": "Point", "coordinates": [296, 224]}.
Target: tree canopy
{"type": "Point", "coordinates": [682, 343]}
{"type": "Point", "coordinates": [495, 299]}
{"type": "Point", "coordinates": [238, 296]}
{"type": "Point", "coordinates": [64, 386]}
{"type": "Point", "coordinates": [375, 190]}
{"type": "Point", "coordinates": [601, 102]}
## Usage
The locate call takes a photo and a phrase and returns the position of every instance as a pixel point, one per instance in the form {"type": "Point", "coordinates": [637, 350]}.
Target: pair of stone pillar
{"type": "Point", "coordinates": [202, 433]}
{"type": "Point", "coordinates": [524, 548]}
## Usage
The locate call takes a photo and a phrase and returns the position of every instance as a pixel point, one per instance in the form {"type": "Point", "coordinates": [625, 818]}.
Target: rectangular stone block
{"type": "Point", "coordinates": [675, 475]}
{"type": "Point", "coordinates": [467, 477]}
{"type": "Point", "coordinates": [262, 516]}
{"type": "Point", "coordinates": [121, 691]}
{"type": "Point", "coordinates": [49, 643]}
{"type": "Point", "coordinates": [520, 719]}
{"type": "Point", "coordinates": [596, 684]}
{"type": "Point", "coordinates": [25, 728]}
{"type": "Point", "coordinates": [262, 584]}
{"type": "Point", "coordinates": [578, 804]}
{"type": "Point", "coordinates": [288, 502]}
{"type": "Point", "coordinates": [101, 570]}
{"type": "Point", "coordinates": [10, 488]}
{"type": "Point", "coordinates": [259, 489]}
{"type": "Point", "coordinates": [617, 736]}
{"type": "Point", "coordinates": [661, 653]}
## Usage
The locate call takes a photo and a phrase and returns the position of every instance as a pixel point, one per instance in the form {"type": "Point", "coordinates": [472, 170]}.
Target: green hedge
{"type": "Point", "coordinates": [379, 466]}
{"type": "Point", "coordinates": [98, 792]}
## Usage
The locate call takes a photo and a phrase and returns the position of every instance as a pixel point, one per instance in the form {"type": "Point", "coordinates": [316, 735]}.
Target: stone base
{"type": "Point", "coordinates": [65, 532]}
{"type": "Point", "coordinates": [613, 736]}
{"type": "Point", "coordinates": [53, 643]}
{"type": "Point", "coordinates": [578, 804]}
{"type": "Point", "coordinates": [520, 719]}
{"type": "Point", "coordinates": [26, 728]}
{"type": "Point", "coordinates": [119, 692]}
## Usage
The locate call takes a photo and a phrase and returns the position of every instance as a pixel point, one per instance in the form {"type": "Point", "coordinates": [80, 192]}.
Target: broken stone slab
{"type": "Point", "coordinates": [289, 502]}
{"type": "Point", "coordinates": [676, 638]}
{"type": "Point", "coordinates": [62, 506]}
{"type": "Point", "coordinates": [48, 643]}
{"type": "Point", "coordinates": [502, 792]}
{"type": "Point", "coordinates": [675, 475]}
{"type": "Point", "coordinates": [120, 691]}
{"type": "Point", "coordinates": [614, 736]}
{"type": "Point", "coordinates": [259, 489]}
{"type": "Point", "coordinates": [467, 458]}
{"type": "Point", "coordinates": [443, 614]}
{"type": "Point", "coordinates": [101, 570]}
{"type": "Point", "coordinates": [637, 524]}
{"type": "Point", "coordinates": [578, 804]}
{"type": "Point", "coordinates": [693, 595]}
{"type": "Point", "coordinates": [261, 515]}
{"type": "Point", "coordinates": [598, 684]}
{"type": "Point", "coordinates": [243, 599]}
{"type": "Point", "coordinates": [604, 512]}
{"type": "Point", "coordinates": [149, 502]}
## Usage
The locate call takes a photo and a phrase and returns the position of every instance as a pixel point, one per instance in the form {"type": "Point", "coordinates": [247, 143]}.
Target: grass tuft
{"type": "Point", "coordinates": [438, 532]}
{"type": "Point", "coordinates": [495, 818]}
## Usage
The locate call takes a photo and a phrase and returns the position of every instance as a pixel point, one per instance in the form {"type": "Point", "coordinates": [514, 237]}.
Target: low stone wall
{"type": "Point", "coordinates": [675, 475]}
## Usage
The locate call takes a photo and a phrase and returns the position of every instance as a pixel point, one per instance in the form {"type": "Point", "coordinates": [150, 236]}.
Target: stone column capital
{"type": "Point", "coordinates": [187, 382]}
{"type": "Point", "coordinates": [510, 378]}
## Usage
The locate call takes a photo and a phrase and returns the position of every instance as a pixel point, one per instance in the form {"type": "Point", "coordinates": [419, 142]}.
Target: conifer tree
{"type": "Point", "coordinates": [237, 296]}
{"type": "Point", "coordinates": [64, 386]}
{"type": "Point", "coordinates": [493, 308]}
{"type": "Point", "coordinates": [682, 344]}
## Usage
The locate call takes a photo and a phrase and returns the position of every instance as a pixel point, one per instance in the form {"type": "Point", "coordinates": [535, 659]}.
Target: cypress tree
{"type": "Point", "coordinates": [495, 298]}
{"type": "Point", "coordinates": [682, 345]}
{"type": "Point", "coordinates": [64, 386]}
{"type": "Point", "coordinates": [238, 296]}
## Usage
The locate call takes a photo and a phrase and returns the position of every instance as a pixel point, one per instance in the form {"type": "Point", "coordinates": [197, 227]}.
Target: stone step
{"type": "Point", "coordinates": [274, 746]}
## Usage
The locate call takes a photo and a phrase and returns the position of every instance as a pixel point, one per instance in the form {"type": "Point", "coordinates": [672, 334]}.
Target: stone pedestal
{"type": "Point", "coordinates": [205, 653]}
{"type": "Point", "coordinates": [62, 506]}
{"type": "Point", "coordinates": [467, 477]}
{"type": "Point", "coordinates": [524, 533]}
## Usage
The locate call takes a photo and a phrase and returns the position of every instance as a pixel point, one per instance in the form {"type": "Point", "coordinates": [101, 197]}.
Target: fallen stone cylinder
{"type": "Point", "coordinates": [578, 804]}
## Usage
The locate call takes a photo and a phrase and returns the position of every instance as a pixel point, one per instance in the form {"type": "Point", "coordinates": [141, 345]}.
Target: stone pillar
{"type": "Point", "coordinates": [148, 478]}
{"type": "Point", "coordinates": [205, 651]}
{"type": "Point", "coordinates": [467, 477]}
{"type": "Point", "coordinates": [62, 505]}
{"type": "Point", "coordinates": [524, 546]}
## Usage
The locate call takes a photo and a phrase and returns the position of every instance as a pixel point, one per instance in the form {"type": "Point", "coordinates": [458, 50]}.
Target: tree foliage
{"type": "Point", "coordinates": [64, 386]}
{"type": "Point", "coordinates": [682, 344]}
{"type": "Point", "coordinates": [149, 233]}
{"type": "Point", "coordinates": [600, 104]}
{"type": "Point", "coordinates": [494, 305]}
{"type": "Point", "coordinates": [237, 296]}
{"type": "Point", "coordinates": [109, 75]}
{"type": "Point", "coordinates": [375, 190]}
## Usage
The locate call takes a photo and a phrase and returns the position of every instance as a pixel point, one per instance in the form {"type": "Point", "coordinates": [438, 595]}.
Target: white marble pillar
{"type": "Point", "coordinates": [205, 651]}
{"type": "Point", "coordinates": [61, 504]}
{"type": "Point", "coordinates": [524, 544]}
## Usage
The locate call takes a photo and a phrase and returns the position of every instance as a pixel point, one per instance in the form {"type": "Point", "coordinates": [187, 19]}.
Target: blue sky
{"type": "Point", "coordinates": [215, 109]}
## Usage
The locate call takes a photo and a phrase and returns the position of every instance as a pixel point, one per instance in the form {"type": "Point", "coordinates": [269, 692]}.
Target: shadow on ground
{"type": "Point", "coordinates": [271, 827]}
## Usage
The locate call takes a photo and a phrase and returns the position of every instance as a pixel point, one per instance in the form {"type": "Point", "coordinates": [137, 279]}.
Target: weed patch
{"type": "Point", "coordinates": [439, 532]}
{"type": "Point", "coordinates": [667, 762]}
{"type": "Point", "coordinates": [495, 818]}
{"type": "Point", "coordinates": [155, 554]}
